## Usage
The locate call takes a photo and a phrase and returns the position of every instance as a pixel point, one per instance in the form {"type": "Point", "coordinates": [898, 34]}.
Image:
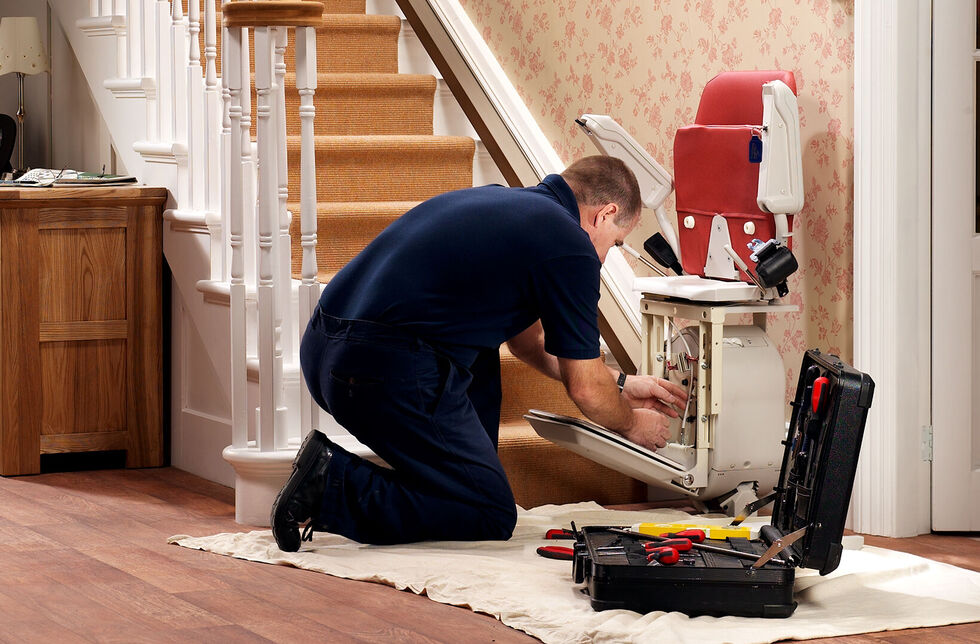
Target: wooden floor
{"type": "Point", "coordinates": [83, 557]}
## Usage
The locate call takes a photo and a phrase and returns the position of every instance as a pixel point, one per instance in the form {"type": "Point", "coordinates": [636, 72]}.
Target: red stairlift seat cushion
{"type": "Point", "coordinates": [712, 172]}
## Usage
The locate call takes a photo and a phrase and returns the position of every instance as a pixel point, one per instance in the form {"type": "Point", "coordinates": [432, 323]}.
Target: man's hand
{"type": "Point", "coordinates": [591, 385]}
{"type": "Point", "coordinates": [649, 392]}
{"type": "Point", "coordinates": [650, 429]}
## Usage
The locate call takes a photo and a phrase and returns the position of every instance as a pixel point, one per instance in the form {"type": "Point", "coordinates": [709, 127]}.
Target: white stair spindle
{"type": "Point", "coordinates": [268, 189]}
{"type": "Point", "coordinates": [194, 30]}
{"type": "Point", "coordinates": [232, 76]}
{"type": "Point", "coordinates": [197, 154]}
{"type": "Point", "coordinates": [164, 75]}
{"type": "Point", "coordinates": [284, 245]}
{"type": "Point", "coordinates": [149, 56]}
{"type": "Point", "coordinates": [226, 146]}
{"type": "Point", "coordinates": [248, 187]}
{"type": "Point", "coordinates": [94, 8]}
{"type": "Point", "coordinates": [309, 290]}
{"type": "Point", "coordinates": [134, 26]}
{"type": "Point", "coordinates": [181, 96]}
{"type": "Point", "coordinates": [118, 8]}
{"type": "Point", "coordinates": [281, 250]}
{"type": "Point", "coordinates": [210, 46]}
{"type": "Point", "coordinates": [178, 48]}
{"type": "Point", "coordinates": [214, 157]}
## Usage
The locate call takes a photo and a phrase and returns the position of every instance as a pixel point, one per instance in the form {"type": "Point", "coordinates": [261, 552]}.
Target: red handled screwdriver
{"type": "Point", "coordinates": [663, 555]}
{"type": "Point", "coordinates": [680, 545]}
{"type": "Point", "coordinates": [695, 535]}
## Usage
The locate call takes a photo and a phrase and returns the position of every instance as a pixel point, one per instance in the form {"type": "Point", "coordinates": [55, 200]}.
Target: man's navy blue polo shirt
{"type": "Point", "coordinates": [469, 269]}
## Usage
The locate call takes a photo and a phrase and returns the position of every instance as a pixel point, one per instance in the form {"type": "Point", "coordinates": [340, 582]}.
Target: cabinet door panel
{"type": "Point", "coordinates": [83, 274]}
{"type": "Point", "coordinates": [83, 386]}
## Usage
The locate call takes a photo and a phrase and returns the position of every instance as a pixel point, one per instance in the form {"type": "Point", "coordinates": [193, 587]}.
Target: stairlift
{"type": "Point", "coordinates": [739, 181]}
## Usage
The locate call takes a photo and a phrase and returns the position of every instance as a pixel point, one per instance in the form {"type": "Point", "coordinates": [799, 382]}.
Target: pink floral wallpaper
{"type": "Point", "coordinates": [645, 64]}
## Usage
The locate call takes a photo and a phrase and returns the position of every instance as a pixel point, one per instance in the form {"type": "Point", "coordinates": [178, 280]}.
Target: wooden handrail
{"type": "Point", "coordinates": [272, 13]}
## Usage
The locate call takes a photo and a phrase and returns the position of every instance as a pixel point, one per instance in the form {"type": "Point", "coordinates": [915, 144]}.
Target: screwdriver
{"type": "Point", "coordinates": [663, 555]}
{"type": "Point", "coordinates": [680, 545]}
{"type": "Point", "coordinates": [695, 535]}
{"type": "Point", "coordinates": [699, 546]}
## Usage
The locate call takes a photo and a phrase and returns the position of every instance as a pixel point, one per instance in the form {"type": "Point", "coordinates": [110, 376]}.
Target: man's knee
{"type": "Point", "coordinates": [500, 522]}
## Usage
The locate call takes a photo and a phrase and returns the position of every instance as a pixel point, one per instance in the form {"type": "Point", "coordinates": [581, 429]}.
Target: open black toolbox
{"type": "Point", "coordinates": [815, 481]}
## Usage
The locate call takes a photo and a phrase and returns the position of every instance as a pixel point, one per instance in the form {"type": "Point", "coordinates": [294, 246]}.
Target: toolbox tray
{"type": "Point", "coordinates": [815, 482]}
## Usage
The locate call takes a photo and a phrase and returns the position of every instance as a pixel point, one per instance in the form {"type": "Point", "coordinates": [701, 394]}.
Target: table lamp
{"type": "Point", "coordinates": [21, 52]}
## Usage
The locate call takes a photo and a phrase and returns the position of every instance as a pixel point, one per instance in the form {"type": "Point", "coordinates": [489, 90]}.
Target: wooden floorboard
{"type": "Point", "coordinates": [84, 558]}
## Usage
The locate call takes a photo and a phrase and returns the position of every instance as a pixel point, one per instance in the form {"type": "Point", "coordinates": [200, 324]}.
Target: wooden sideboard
{"type": "Point", "coordinates": [81, 324]}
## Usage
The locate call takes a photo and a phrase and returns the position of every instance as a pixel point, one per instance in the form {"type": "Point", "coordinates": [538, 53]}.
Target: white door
{"type": "Point", "coordinates": [956, 268]}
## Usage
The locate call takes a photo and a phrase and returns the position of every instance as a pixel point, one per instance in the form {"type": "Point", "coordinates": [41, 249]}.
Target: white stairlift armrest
{"type": "Point", "coordinates": [781, 173]}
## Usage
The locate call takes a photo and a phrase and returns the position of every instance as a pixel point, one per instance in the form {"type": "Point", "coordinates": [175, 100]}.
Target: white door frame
{"type": "Point", "coordinates": [892, 325]}
{"type": "Point", "coordinates": [956, 481]}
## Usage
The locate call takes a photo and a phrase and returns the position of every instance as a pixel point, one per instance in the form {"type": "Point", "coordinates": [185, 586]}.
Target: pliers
{"type": "Point", "coordinates": [562, 553]}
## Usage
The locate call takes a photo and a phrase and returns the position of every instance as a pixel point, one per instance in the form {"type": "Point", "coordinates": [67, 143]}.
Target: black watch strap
{"type": "Point", "coordinates": [621, 381]}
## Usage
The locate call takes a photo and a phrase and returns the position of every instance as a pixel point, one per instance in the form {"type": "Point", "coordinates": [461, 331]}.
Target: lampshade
{"type": "Point", "coordinates": [21, 49]}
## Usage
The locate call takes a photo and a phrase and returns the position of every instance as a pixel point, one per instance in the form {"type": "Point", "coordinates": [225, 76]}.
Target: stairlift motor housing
{"type": "Point", "coordinates": [734, 441]}
{"type": "Point", "coordinates": [746, 435]}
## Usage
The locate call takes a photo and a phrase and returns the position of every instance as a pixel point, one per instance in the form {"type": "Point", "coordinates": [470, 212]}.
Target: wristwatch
{"type": "Point", "coordinates": [621, 381]}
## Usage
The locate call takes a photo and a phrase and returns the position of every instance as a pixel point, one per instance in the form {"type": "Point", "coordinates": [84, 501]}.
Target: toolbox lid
{"type": "Point", "coordinates": [820, 459]}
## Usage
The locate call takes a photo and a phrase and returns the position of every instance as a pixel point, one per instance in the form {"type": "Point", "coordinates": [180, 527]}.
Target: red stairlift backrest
{"type": "Point", "coordinates": [712, 172]}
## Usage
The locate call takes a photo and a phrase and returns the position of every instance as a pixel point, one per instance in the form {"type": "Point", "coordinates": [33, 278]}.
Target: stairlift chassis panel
{"type": "Point", "coordinates": [737, 441]}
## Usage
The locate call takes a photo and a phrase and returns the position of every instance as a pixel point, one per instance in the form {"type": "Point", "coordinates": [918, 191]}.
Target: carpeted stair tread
{"type": "Point", "coordinates": [524, 387]}
{"type": "Point", "coordinates": [345, 43]}
{"type": "Point", "coordinates": [540, 472]}
{"type": "Point", "coordinates": [385, 168]}
{"type": "Point", "coordinates": [343, 229]}
{"type": "Point", "coordinates": [355, 43]}
{"type": "Point", "coordinates": [363, 104]}
{"type": "Point", "coordinates": [329, 7]}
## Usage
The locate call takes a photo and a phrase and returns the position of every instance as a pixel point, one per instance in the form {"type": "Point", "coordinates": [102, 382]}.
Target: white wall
{"type": "Point", "coordinates": [63, 127]}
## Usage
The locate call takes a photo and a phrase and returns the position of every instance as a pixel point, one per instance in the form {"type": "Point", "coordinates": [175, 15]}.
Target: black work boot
{"type": "Point", "coordinates": [300, 498]}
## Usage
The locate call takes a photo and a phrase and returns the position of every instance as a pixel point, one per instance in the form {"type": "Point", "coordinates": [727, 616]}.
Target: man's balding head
{"type": "Point", "coordinates": [598, 180]}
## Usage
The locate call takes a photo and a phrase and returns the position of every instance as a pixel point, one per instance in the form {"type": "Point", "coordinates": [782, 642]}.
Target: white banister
{"type": "Point", "coordinates": [309, 289]}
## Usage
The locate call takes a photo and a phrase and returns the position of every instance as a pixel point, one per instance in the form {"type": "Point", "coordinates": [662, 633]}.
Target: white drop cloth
{"type": "Point", "coordinates": [872, 590]}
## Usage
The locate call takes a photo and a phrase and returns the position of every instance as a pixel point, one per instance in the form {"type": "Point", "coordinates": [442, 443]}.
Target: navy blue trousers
{"type": "Point", "coordinates": [434, 422]}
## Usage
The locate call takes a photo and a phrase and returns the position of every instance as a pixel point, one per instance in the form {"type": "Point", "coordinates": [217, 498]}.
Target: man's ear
{"type": "Point", "coordinates": [609, 210]}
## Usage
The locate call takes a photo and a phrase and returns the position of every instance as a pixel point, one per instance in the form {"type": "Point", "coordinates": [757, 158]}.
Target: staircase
{"type": "Point", "coordinates": [381, 146]}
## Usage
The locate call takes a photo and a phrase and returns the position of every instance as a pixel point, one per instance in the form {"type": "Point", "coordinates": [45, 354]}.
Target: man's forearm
{"type": "Point", "coordinates": [592, 387]}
